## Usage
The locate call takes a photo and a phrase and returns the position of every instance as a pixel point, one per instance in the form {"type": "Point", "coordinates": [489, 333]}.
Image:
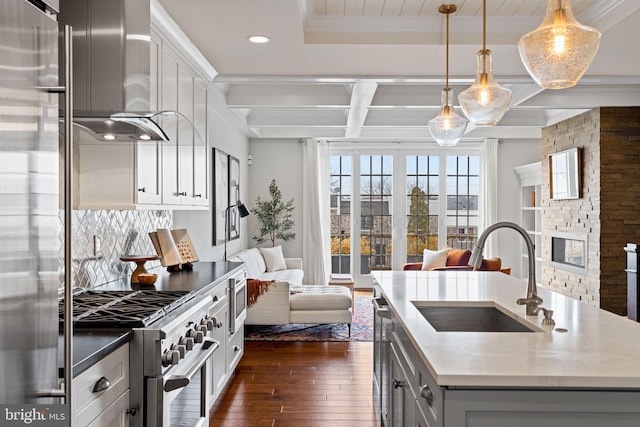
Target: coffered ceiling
{"type": "Point", "coordinates": [374, 69]}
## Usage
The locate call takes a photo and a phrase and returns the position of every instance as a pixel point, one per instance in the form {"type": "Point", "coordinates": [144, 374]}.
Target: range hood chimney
{"type": "Point", "coordinates": [112, 68]}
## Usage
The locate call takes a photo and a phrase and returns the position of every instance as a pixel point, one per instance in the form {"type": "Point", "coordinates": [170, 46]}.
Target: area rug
{"type": "Point", "coordinates": [361, 328]}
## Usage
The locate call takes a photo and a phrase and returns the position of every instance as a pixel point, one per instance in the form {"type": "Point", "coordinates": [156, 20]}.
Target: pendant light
{"type": "Point", "coordinates": [560, 50]}
{"type": "Point", "coordinates": [485, 102]}
{"type": "Point", "coordinates": [447, 127]}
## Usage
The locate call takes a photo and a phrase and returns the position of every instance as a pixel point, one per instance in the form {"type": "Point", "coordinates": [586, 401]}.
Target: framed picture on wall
{"type": "Point", "coordinates": [220, 190]}
{"type": "Point", "coordinates": [234, 196]}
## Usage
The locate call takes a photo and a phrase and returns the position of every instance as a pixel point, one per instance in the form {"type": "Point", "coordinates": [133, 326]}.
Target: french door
{"type": "Point", "coordinates": [396, 204]}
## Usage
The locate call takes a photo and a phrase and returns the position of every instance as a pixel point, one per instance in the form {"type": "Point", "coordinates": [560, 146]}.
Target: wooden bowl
{"type": "Point", "coordinates": [147, 278]}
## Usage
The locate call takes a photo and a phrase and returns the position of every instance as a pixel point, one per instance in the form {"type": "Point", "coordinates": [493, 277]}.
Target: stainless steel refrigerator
{"type": "Point", "coordinates": [32, 249]}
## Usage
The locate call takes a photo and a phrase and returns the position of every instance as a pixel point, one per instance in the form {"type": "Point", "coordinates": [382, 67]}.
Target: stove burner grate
{"type": "Point", "coordinates": [122, 309]}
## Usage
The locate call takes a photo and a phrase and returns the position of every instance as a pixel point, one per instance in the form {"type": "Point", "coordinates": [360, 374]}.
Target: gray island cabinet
{"type": "Point", "coordinates": [582, 371]}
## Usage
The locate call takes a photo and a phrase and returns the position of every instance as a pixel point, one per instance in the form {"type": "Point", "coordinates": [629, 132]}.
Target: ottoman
{"type": "Point", "coordinates": [320, 304]}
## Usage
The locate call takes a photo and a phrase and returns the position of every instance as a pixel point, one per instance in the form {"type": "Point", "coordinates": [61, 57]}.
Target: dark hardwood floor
{"type": "Point", "coordinates": [300, 384]}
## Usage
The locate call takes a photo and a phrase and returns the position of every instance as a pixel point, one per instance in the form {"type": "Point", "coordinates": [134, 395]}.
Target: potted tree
{"type": "Point", "coordinates": [275, 217]}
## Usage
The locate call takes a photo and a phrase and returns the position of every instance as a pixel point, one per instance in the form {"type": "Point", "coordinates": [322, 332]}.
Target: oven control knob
{"type": "Point", "coordinates": [202, 328]}
{"type": "Point", "coordinates": [182, 350]}
{"type": "Point", "coordinates": [170, 357]}
{"type": "Point", "coordinates": [197, 336]}
{"type": "Point", "coordinates": [207, 322]}
{"type": "Point", "coordinates": [187, 342]}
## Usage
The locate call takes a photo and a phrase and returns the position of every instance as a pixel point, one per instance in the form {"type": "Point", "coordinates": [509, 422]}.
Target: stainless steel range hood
{"type": "Point", "coordinates": [112, 68]}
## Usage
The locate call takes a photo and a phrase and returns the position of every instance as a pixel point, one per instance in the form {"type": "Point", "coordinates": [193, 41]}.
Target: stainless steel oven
{"type": "Point", "coordinates": [169, 364]}
{"type": "Point", "coordinates": [237, 300]}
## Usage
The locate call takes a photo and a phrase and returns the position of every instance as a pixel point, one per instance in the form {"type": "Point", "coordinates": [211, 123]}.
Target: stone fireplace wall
{"type": "Point", "coordinates": [609, 209]}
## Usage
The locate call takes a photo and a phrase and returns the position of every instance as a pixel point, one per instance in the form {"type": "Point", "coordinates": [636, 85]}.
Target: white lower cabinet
{"type": "Point", "coordinates": [219, 313]}
{"type": "Point", "coordinates": [221, 367]}
{"type": "Point", "coordinates": [235, 348]}
{"type": "Point", "coordinates": [403, 401]}
{"type": "Point", "coordinates": [100, 395]}
{"type": "Point", "coordinates": [115, 415]}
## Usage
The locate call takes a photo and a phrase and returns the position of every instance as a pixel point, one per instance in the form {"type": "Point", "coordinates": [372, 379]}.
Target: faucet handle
{"type": "Point", "coordinates": [548, 316]}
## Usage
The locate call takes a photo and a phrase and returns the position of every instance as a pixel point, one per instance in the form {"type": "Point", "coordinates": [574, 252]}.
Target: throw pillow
{"type": "Point", "coordinates": [458, 257]}
{"type": "Point", "coordinates": [273, 258]}
{"type": "Point", "coordinates": [432, 259]}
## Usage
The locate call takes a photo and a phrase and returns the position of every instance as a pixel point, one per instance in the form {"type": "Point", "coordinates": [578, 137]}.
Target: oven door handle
{"type": "Point", "coordinates": [175, 382]}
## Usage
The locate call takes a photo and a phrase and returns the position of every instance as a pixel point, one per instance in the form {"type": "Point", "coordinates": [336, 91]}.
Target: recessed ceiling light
{"type": "Point", "coordinates": [109, 136]}
{"type": "Point", "coordinates": [258, 39]}
{"type": "Point", "coordinates": [145, 137]}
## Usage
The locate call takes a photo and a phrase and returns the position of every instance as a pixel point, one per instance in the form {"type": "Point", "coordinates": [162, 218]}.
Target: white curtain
{"type": "Point", "coordinates": [489, 194]}
{"type": "Point", "coordinates": [315, 212]}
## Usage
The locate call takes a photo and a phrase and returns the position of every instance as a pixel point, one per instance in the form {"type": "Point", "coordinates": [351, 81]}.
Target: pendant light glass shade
{"type": "Point", "coordinates": [447, 127]}
{"type": "Point", "coordinates": [559, 51]}
{"type": "Point", "coordinates": [485, 102]}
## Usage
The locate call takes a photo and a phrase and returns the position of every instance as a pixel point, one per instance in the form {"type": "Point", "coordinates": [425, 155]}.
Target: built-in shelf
{"type": "Point", "coordinates": [530, 213]}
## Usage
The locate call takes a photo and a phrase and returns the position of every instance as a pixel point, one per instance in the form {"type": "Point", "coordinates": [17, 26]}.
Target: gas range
{"type": "Point", "coordinates": [169, 351]}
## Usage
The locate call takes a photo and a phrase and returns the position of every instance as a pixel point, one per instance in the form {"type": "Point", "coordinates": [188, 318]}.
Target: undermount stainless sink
{"type": "Point", "coordinates": [475, 317]}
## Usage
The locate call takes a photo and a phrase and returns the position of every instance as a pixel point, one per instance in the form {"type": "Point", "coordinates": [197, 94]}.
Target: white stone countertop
{"type": "Point", "coordinates": [600, 349]}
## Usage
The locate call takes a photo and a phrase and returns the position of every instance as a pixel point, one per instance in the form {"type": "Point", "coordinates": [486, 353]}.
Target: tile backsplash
{"type": "Point", "coordinates": [124, 232]}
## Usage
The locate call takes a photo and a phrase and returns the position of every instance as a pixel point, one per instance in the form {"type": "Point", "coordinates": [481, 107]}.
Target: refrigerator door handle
{"type": "Point", "coordinates": [67, 89]}
{"type": "Point", "coordinates": [68, 206]}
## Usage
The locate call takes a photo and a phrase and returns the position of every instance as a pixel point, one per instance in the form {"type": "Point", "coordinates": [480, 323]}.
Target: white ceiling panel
{"type": "Point", "coordinates": [374, 69]}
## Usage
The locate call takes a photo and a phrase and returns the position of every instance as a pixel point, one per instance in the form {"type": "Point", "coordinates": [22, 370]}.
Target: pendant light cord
{"type": "Point", "coordinates": [447, 9]}
{"type": "Point", "coordinates": [484, 25]}
{"type": "Point", "coordinates": [446, 83]}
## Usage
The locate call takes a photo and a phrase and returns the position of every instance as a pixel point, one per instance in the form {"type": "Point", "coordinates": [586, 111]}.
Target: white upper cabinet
{"type": "Point", "coordinates": [184, 157]}
{"type": "Point", "coordinates": [169, 101]}
{"type": "Point", "coordinates": [200, 144]}
{"type": "Point", "coordinates": [152, 174]}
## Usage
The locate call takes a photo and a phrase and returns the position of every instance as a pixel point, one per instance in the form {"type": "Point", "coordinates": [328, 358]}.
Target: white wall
{"type": "Point", "coordinates": [224, 135]}
{"type": "Point", "coordinates": [512, 153]}
{"type": "Point", "coordinates": [279, 159]}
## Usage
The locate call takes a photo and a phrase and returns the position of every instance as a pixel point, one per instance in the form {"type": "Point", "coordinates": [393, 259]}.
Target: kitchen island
{"type": "Point", "coordinates": [584, 370]}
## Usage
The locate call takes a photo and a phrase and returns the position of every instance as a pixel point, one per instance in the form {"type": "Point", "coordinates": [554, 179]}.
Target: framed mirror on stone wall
{"type": "Point", "coordinates": [565, 174]}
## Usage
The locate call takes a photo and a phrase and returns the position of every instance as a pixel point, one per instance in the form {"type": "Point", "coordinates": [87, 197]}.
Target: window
{"type": "Point", "coordinates": [376, 183]}
{"type": "Point", "coordinates": [423, 184]}
{"type": "Point", "coordinates": [463, 185]}
{"type": "Point", "coordinates": [440, 207]}
{"type": "Point", "coordinates": [340, 216]}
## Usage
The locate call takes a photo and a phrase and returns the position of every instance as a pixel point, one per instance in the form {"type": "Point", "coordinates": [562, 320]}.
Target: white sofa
{"type": "Point", "coordinates": [288, 300]}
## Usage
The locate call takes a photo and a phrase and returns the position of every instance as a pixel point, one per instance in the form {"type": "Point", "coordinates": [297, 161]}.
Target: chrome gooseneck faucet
{"type": "Point", "coordinates": [532, 301]}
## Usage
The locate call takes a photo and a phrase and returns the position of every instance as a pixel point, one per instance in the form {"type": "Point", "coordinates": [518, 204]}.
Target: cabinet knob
{"type": "Point", "coordinates": [132, 412]}
{"type": "Point", "coordinates": [181, 193]}
{"type": "Point", "coordinates": [236, 348]}
{"type": "Point", "coordinates": [216, 323]}
{"type": "Point", "coordinates": [426, 394]}
{"type": "Point", "coordinates": [142, 190]}
{"type": "Point", "coordinates": [197, 195]}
